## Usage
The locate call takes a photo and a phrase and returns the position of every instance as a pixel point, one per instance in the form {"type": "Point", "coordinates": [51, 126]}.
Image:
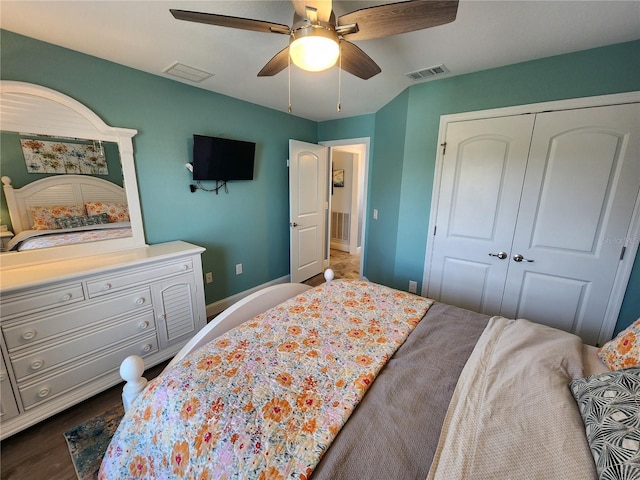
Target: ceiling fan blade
{"type": "Point", "coordinates": [323, 8]}
{"type": "Point", "coordinates": [401, 17]}
{"type": "Point", "coordinates": [232, 22]}
{"type": "Point", "coordinates": [279, 62]}
{"type": "Point", "coordinates": [356, 62]}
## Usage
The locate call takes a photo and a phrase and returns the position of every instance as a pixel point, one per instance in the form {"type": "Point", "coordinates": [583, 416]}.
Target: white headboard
{"type": "Point", "coordinates": [37, 110]}
{"type": "Point", "coordinates": [57, 190]}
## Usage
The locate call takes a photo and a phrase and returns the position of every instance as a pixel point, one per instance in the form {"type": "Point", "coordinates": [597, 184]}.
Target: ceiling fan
{"type": "Point", "coordinates": [318, 39]}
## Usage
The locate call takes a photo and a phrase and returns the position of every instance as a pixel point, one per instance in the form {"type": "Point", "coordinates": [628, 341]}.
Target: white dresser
{"type": "Point", "coordinates": [67, 325]}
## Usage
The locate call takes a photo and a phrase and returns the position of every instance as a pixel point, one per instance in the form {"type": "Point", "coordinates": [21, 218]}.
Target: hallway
{"type": "Point", "coordinates": [343, 265]}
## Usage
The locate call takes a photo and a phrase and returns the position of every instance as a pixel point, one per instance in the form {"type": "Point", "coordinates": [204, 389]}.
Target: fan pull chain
{"type": "Point", "coordinates": [340, 80]}
{"type": "Point", "coordinates": [289, 75]}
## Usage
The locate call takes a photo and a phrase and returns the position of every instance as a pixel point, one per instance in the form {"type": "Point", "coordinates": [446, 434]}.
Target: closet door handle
{"type": "Point", "coordinates": [500, 255]}
{"type": "Point", "coordinates": [520, 258]}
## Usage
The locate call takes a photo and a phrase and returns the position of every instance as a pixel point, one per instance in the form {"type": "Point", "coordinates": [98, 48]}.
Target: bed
{"type": "Point", "coordinates": [355, 380]}
{"type": "Point", "coordinates": [65, 210]}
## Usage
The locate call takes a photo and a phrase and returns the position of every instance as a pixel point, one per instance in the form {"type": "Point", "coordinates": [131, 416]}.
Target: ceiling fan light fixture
{"type": "Point", "coordinates": [314, 48]}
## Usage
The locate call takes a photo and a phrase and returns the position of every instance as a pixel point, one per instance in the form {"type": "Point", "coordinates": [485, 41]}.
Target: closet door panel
{"type": "Point", "coordinates": [481, 183]}
{"type": "Point", "coordinates": [583, 177]}
{"type": "Point", "coordinates": [553, 297]}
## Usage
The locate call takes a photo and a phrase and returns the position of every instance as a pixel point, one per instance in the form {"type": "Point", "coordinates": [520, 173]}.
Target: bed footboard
{"type": "Point", "coordinates": [132, 367]}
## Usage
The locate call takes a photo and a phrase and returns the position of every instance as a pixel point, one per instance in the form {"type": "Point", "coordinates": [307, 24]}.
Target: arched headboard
{"type": "Point", "coordinates": [37, 110]}
{"type": "Point", "coordinates": [57, 190]}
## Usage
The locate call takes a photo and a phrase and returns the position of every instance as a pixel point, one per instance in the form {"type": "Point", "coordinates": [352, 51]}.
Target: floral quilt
{"type": "Point", "coordinates": [266, 399]}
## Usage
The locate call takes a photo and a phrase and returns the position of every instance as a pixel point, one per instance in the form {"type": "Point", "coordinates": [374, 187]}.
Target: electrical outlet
{"type": "Point", "coordinates": [239, 269]}
{"type": "Point", "coordinates": [413, 286]}
{"type": "Point", "coordinates": [375, 213]}
{"type": "Point", "coordinates": [208, 277]}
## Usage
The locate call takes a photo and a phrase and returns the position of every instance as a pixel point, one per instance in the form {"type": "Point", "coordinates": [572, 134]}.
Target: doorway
{"type": "Point", "coordinates": [349, 161]}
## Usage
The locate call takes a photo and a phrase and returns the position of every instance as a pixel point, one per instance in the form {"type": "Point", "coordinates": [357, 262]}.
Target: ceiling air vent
{"type": "Point", "coordinates": [187, 73]}
{"type": "Point", "coordinates": [426, 73]}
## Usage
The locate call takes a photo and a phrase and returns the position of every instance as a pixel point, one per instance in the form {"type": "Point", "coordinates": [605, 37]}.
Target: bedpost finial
{"type": "Point", "coordinates": [131, 370]}
{"type": "Point", "coordinates": [329, 275]}
{"type": "Point", "coordinates": [6, 180]}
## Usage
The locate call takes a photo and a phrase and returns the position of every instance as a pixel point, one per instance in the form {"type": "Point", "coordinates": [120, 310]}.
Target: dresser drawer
{"type": "Point", "coordinates": [45, 298]}
{"type": "Point", "coordinates": [87, 369]}
{"type": "Point", "coordinates": [35, 330]}
{"type": "Point", "coordinates": [41, 361]}
{"type": "Point", "coordinates": [104, 285]}
{"type": "Point", "coordinates": [8, 405]}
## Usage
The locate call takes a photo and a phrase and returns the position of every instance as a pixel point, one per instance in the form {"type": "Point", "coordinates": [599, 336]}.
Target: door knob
{"type": "Point", "coordinates": [500, 255]}
{"type": "Point", "coordinates": [520, 258]}
{"type": "Point", "coordinates": [294, 224]}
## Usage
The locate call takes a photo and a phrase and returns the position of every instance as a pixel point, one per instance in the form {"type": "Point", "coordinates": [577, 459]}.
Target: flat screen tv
{"type": "Point", "coordinates": [216, 158]}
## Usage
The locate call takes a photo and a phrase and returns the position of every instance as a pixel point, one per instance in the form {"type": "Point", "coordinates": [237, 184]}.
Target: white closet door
{"type": "Point", "coordinates": [582, 181]}
{"type": "Point", "coordinates": [481, 183]}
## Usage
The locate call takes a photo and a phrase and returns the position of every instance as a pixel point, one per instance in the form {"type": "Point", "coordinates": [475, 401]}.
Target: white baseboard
{"type": "Point", "coordinates": [217, 307]}
{"type": "Point", "coordinates": [340, 246]}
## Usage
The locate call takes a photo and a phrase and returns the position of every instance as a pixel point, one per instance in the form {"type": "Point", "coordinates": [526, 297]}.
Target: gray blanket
{"type": "Point", "coordinates": [394, 432]}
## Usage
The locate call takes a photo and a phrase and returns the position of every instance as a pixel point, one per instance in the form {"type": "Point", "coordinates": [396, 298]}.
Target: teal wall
{"type": "Point", "coordinates": [406, 134]}
{"type": "Point", "coordinates": [250, 225]}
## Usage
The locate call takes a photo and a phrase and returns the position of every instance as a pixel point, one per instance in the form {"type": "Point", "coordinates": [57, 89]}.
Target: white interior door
{"type": "Point", "coordinates": [308, 182]}
{"type": "Point", "coordinates": [482, 175]}
{"type": "Point", "coordinates": [582, 181]}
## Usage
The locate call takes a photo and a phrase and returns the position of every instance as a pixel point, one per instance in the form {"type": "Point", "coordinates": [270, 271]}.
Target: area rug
{"type": "Point", "coordinates": [88, 441]}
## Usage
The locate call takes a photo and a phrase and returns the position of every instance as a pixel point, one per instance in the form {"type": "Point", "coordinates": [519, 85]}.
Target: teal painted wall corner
{"type": "Point", "coordinates": [249, 225]}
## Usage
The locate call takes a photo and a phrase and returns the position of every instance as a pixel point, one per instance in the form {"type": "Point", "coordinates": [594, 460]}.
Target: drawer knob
{"type": "Point", "coordinates": [147, 347]}
{"type": "Point", "coordinates": [44, 392]}
{"type": "Point", "coordinates": [37, 364]}
{"type": "Point", "coordinates": [143, 325]}
{"type": "Point", "coordinates": [140, 301]}
{"type": "Point", "coordinates": [29, 334]}
{"type": "Point", "coordinates": [106, 286]}
{"type": "Point", "coordinates": [66, 297]}
{"type": "Point", "coordinates": [185, 267]}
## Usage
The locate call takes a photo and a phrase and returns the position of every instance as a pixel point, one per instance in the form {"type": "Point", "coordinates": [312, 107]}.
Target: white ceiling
{"type": "Point", "coordinates": [142, 34]}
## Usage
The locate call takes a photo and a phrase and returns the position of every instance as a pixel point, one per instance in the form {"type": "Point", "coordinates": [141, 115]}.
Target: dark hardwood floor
{"type": "Point", "coordinates": [40, 452]}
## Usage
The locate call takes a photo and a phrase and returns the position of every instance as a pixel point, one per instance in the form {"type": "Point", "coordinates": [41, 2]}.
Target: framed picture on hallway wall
{"type": "Point", "coordinates": [338, 178]}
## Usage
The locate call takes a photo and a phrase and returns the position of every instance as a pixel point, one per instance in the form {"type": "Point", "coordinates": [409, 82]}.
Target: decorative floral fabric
{"type": "Point", "coordinates": [266, 399]}
{"type": "Point", "coordinates": [44, 217]}
{"type": "Point", "coordinates": [82, 221]}
{"type": "Point", "coordinates": [610, 407]}
{"type": "Point", "coordinates": [117, 212]}
{"type": "Point", "coordinates": [52, 239]}
{"type": "Point", "coordinates": [624, 350]}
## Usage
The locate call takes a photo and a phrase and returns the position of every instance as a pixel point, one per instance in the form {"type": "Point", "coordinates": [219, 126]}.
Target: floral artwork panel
{"type": "Point", "coordinates": [42, 156]}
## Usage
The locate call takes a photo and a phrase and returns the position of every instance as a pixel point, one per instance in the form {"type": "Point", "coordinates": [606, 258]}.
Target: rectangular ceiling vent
{"type": "Point", "coordinates": [187, 73]}
{"type": "Point", "coordinates": [426, 73]}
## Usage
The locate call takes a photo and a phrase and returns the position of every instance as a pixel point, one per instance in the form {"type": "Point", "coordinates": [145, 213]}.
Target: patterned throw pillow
{"type": "Point", "coordinates": [117, 212]}
{"type": "Point", "coordinates": [71, 222]}
{"type": "Point", "coordinates": [624, 350]}
{"type": "Point", "coordinates": [610, 407]}
{"type": "Point", "coordinates": [44, 217]}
